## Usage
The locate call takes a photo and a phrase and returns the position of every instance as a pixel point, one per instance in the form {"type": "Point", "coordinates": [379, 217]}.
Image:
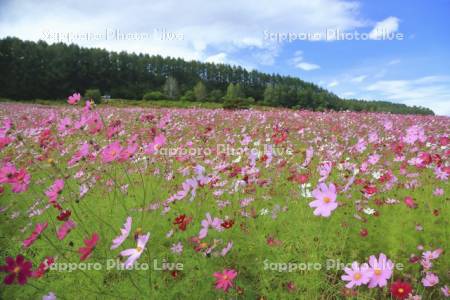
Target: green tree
{"type": "Point", "coordinates": [170, 88]}
{"type": "Point", "coordinates": [93, 94]}
{"type": "Point", "coordinates": [200, 91]}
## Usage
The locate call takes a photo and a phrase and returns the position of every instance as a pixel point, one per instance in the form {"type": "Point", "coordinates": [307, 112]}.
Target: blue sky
{"type": "Point", "coordinates": [414, 70]}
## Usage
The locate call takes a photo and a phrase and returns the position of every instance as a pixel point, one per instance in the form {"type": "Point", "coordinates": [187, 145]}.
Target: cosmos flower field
{"type": "Point", "coordinates": [100, 202]}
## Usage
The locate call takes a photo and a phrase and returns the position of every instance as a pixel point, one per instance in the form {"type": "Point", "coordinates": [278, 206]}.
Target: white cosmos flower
{"type": "Point", "coordinates": [369, 211]}
{"type": "Point", "coordinates": [264, 212]}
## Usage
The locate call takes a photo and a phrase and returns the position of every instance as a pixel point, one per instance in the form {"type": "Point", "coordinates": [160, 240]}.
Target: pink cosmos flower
{"type": "Point", "coordinates": [226, 249]}
{"type": "Point", "coordinates": [94, 122]}
{"type": "Point", "coordinates": [225, 279]}
{"type": "Point", "coordinates": [438, 192]}
{"type": "Point", "coordinates": [177, 248]}
{"type": "Point", "coordinates": [157, 143]}
{"type": "Point", "coordinates": [5, 141]}
{"type": "Point", "coordinates": [53, 191]}
{"type": "Point", "coordinates": [430, 279]}
{"type": "Point", "coordinates": [373, 159]}
{"type": "Point", "coordinates": [134, 253]}
{"type": "Point", "coordinates": [124, 233]}
{"type": "Point", "coordinates": [20, 181]}
{"type": "Point", "coordinates": [357, 275]}
{"type": "Point", "coordinates": [430, 255]}
{"type": "Point", "coordinates": [72, 100]}
{"type": "Point", "coordinates": [111, 152]}
{"type": "Point", "coordinates": [382, 270]}
{"type": "Point", "coordinates": [64, 124]}
{"type": "Point", "coordinates": [83, 152]}
{"type": "Point", "coordinates": [49, 296]}
{"type": "Point", "coordinates": [7, 173]}
{"type": "Point", "coordinates": [85, 252]}
{"type": "Point", "coordinates": [325, 201]}
{"type": "Point", "coordinates": [64, 229]}
{"type": "Point", "coordinates": [409, 201]}
{"type": "Point", "coordinates": [206, 223]}
{"type": "Point", "coordinates": [440, 173]}
{"type": "Point", "coordinates": [445, 291]}
{"type": "Point", "coordinates": [129, 151]}
{"type": "Point", "coordinates": [324, 170]}
{"type": "Point", "coordinates": [413, 134]}
{"type": "Point", "coordinates": [35, 234]}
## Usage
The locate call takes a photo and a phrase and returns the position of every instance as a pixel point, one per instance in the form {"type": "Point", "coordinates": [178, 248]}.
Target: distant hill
{"type": "Point", "coordinates": [32, 70]}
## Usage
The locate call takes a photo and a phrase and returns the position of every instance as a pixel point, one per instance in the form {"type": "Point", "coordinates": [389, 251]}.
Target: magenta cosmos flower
{"type": "Point", "coordinates": [357, 275]}
{"type": "Point", "coordinates": [124, 233]}
{"type": "Point", "coordinates": [90, 244]}
{"type": "Point", "coordinates": [65, 229]}
{"type": "Point", "coordinates": [54, 190]}
{"type": "Point", "coordinates": [134, 253]}
{"type": "Point", "coordinates": [17, 268]}
{"type": "Point", "coordinates": [225, 279]}
{"type": "Point", "coordinates": [21, 181]}
{"type": "Point", "coordinates": [35, 234]}
{"type": "Point", "coordinates": [325, 201]}
{"type": "Point", "coordinates": [382, 270]}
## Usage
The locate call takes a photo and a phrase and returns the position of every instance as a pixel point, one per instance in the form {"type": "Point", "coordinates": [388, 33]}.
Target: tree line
{"type": "Point", "coordinates": [37, 70]}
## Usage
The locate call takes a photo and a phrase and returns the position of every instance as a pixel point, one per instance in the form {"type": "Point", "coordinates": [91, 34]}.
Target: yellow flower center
{"type": "Point", "coordinates": [225, 277]}
{"type": "Point", "coordinates": [377, 272]}
{"type": "Point", "coordinates": [400, 290]}
{"type": "Point", "coordinates": [139, 249]}
{"type": "Point", "coordinates": [357, 276]}
{"type": "Point", "coordinates": [16, 269]}
{"type": "Point", "coordinates": [326, 199]}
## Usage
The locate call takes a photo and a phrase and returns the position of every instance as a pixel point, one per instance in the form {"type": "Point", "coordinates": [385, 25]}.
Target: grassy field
{"type": "Point", "coordinates": [254, 172]}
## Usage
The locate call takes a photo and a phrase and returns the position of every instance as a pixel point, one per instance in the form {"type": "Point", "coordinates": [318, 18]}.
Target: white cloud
{"type": "Point", "coordinates": [384, 28]}
{"type": "Point", "coordinates": [429, 91]}
{"type": "Point", "coordinates": [208, 27]}
{"type": "Point", "coordinates": [333, 83]}
{"type": "Point", "coordinates": [219, 58]}
{"type": "Point", "coordinates": [301, 64]}
{"type": "Point", "coordinates": [359, 79]}
{"type": "Point", "coordinates": [394, 62]}
{"type": "Point", "coordinates": [307, 66]}
{"type": "Point", "coordinates": [348, 94]}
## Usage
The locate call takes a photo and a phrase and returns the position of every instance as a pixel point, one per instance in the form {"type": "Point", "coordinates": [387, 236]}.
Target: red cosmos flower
{"type": "Point", "coordinates": [363, 232]}
{"type": "Point", "coordinates": [227, 224]}
{"type": "Point", "coordinates": [426, 159]}
{"type": "Point", "coordinates": [279, 136]}
{"type": "Point", "coordinates": [182, 221]}
{"type": "Point", "coordinates": [400, 289]}
{"type": "Point", "coordinates": [360, 181]}
{"type": "Point", "coordinates": [17, 268]}
{"type": "Point", "coordinates": [369, 189]}
{"type": "Point", "coordinates": [45, 138]}
{"type": "Point", "coordinates": [64, 215]}
{"type": "Point", "coordinates": [43, 267]}
{"type": "Point", "coordinates": [90, 245]}
{"type": "Point", "coordinates": [386, 176]}
{"type": "Point", "coordinates": [437, 159]}
{"type": "Point", "coordinates": [271, 241]}
{"type": "Point", "coordinates": [414, 259]}
{"type": "Point", "coordinates": [443, 141]}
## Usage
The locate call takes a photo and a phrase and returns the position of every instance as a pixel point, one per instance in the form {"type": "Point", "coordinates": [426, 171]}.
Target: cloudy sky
{"type": "Point", "coordinates": [387, 50]}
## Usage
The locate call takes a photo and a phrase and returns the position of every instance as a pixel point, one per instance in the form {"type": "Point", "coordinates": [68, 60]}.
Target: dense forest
{"type": "Point", "coordinates": [37, 70]}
